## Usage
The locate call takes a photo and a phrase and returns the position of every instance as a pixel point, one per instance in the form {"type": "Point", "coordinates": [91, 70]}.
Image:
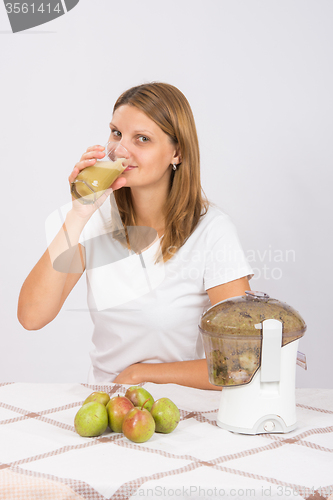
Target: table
{"type": "Point", "coordinates": [42, 457]}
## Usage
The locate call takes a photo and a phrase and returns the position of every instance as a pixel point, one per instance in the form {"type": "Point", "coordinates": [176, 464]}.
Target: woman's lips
{"type": "Point", "coordinates": [130, 167]}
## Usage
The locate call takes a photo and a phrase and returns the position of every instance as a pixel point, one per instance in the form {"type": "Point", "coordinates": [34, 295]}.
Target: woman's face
{"type": "Point", "coordinates": [150, 150]}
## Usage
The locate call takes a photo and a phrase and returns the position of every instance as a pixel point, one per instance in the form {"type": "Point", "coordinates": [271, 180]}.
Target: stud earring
{"type": "Point", "coordinates": [174, 166]}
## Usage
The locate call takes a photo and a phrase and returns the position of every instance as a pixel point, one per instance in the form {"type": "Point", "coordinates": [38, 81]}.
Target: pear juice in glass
{"type": "Point", "coordinates": [92, 181]}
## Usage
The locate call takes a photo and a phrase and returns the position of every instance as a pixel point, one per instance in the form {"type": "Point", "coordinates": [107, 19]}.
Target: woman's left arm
{"type": "Point", "coordinates": [228, 290]}
{"type": "Point", "coordinates": [192, 373]}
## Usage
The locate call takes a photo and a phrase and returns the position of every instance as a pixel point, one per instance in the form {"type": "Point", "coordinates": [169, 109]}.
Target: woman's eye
{"type": "Point", "coordinates": [143, 138]}
{"type": "Point", "coordinates": [116, 133]}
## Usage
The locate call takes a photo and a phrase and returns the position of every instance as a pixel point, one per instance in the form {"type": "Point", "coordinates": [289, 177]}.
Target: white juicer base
{"type": "Point", "coordinates": [262, 407]}
{"type": "Point", "coordinates": [268, 424]}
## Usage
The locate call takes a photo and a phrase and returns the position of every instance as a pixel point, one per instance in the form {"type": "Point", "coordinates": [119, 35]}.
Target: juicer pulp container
{"type": "Point", "coordinates": [251, 349]}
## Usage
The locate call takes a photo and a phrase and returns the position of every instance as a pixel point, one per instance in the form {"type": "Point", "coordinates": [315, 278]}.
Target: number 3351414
{"type": "Point", "coordinates": [24, 8]}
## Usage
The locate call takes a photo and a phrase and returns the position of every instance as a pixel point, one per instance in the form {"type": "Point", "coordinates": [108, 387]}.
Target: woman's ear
{"type": "Point", "coordinates": [177, 158]}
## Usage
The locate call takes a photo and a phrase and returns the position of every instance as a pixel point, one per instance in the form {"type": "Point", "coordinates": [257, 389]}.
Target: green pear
{"type": "Point", "coordinates": [91, 420]}
{"type": "Point", "coordinates": [138, 425]}
{"type": "Point", "coordinates": [165, 414]}
{"type": "Point", "coordinates": [138, 396]}
{"type": "Point", "coordinates": [117, 408]}
{"type": "Point", "coordinates": [98, 397]}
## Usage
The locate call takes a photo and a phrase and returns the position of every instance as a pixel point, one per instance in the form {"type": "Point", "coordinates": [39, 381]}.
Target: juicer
{"type": "Point", "coordinates": [251, 346]}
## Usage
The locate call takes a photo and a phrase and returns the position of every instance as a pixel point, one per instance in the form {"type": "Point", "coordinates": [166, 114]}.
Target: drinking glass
{"type": "Point", "coordinates": [92, 181]}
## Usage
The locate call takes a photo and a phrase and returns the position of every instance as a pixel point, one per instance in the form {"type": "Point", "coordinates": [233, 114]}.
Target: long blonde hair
{"type": "Point", "coordinates": [170, 110]}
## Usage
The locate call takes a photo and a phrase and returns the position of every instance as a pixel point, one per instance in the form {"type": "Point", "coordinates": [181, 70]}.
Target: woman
{"type": "Point", "coordinates": [146, 300]}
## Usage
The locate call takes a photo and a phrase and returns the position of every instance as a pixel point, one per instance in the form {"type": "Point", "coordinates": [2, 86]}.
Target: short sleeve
{"type": "Point", "coordinates": [225, 259]}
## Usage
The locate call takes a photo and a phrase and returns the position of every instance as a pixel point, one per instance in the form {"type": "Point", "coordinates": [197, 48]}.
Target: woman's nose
{"type": "Point", "coordinates": [120, 151]}
{"type": "Point", "coordinates": [117, 150]}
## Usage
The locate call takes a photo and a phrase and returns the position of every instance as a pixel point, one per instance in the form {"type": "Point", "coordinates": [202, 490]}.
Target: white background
{"type": "Point", "coordinates": [258, 75]}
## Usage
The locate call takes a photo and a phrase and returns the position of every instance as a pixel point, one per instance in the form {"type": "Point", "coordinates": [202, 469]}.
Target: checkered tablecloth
{"type": "Point", "coordinates": [42, 457]}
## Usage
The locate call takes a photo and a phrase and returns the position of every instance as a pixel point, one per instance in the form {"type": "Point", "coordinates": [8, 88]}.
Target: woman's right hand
{"type": "Point", "coordinates": [88, 159]}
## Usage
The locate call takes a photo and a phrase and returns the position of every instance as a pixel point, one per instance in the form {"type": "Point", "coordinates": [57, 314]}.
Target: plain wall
{"type": "Point", "coordinates": [258, 75]}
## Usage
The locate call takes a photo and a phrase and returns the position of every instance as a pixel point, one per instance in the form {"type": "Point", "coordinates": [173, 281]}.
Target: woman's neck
{"type": "Point", "coordinates": [149, 208]}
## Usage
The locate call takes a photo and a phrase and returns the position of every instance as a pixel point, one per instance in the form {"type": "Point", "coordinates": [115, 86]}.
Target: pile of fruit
{"type": "Point", "coordinates": [136, 415]}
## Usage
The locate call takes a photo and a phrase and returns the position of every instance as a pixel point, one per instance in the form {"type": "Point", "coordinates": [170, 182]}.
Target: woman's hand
{"type": "Point", "coordinates": [89, 159]}
{"type": "Point", "coordinates": [131, 375]}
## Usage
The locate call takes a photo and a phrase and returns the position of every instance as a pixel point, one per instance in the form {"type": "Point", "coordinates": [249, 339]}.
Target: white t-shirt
{"type": "Point", "coordinates": [145, 311]}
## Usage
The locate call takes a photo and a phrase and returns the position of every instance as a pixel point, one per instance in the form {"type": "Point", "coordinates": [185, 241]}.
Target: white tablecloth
{"type": "Point", "coordinates": [42, 457]}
